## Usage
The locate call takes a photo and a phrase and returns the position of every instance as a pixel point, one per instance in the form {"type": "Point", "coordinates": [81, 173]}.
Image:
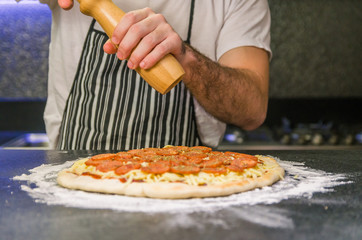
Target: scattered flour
{"type": "Point", "coordinates": [299, 182]}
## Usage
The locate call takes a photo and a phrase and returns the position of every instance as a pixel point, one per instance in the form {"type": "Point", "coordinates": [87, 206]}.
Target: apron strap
{"type": "Point", "coordinates": [191, 19]}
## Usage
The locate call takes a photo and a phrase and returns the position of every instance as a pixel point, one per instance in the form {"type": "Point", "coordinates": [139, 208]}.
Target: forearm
{"type": "Point", "coordinates": [229, 94]}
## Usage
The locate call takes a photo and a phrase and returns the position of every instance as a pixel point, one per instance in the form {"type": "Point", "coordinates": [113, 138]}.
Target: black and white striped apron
{"type": "Point", "coordinates": [110, 107]}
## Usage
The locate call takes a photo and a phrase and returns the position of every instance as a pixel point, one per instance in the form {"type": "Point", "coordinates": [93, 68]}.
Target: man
{"type": "Point", "coordinates": [97, 101]}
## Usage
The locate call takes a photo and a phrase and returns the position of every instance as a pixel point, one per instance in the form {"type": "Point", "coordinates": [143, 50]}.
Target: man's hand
{"type": "Point", "coordinates": [65, 4]}
{"type": "Point", "coordinates": [144, 38]}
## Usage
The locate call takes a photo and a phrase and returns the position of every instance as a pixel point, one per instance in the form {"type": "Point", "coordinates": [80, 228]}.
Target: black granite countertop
{"type": "Point", "coordinates": [330, 215]}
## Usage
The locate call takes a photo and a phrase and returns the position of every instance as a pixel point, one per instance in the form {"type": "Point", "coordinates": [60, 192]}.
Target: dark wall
{"type": "Point", "coordinates": [25, 37]}
{"type": "Point", "coordinates": [317, 46]}
{"type": "Point", "coordinates": [21, 115]}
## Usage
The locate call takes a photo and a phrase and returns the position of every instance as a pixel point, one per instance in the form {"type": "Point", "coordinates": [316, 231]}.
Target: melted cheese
{"type": "Point", "coordinates": [200, 178]}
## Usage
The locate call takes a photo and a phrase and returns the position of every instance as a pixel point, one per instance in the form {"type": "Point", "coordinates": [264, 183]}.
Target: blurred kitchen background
{"type": "Point", "coordinates": [315, 76]}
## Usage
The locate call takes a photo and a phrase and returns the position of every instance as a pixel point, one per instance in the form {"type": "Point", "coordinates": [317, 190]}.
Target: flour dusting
{"type": "Point", "coordinates": [299, 182]}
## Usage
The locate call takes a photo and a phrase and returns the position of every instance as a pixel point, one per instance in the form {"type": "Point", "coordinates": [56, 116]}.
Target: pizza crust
{"type": "Point", "coordinates": [169, 190]}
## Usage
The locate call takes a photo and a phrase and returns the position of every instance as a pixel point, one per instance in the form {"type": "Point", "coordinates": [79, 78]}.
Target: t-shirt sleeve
{"type": "Point", "coordinates": [246, 23]}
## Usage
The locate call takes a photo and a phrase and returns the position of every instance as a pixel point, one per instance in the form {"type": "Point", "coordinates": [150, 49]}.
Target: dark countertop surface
{"type": "Point", "coordinates": [328, 215]}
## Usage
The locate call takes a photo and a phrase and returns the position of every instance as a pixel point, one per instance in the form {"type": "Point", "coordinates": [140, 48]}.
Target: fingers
{"type": "Point", "coordinates": [151, 34]}
{"type": "Point", "coordinates": [143, 55]}
{"type": "Point", "coordinates": [146, 56]}
{"type": "Point", "coordinates": [135, 34]}
{"type": "Point", "coordinates": [109, 47]}
{"type": "Point", "coordinates": [144, 38]}
{"type": "Point", "coordinates": [127, 21]}
{"type": "Point", "coordinates": [65, 4]}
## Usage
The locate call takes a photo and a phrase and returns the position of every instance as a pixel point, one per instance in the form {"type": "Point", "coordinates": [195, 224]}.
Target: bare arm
{"type": "Point", "coordinates": [235, 89]}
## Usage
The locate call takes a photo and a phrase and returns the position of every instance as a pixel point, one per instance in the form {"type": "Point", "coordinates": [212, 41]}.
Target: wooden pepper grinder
{"type": "Point", "coordinates": [164, 75]}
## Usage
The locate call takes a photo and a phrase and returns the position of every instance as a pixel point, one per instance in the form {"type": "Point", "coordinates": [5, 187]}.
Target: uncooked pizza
{"type": "Point", "coordinates": [172, 172]}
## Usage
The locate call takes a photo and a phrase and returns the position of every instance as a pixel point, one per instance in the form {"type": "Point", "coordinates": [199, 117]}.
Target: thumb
{"type": "Point", "coordinates": [65, 4]}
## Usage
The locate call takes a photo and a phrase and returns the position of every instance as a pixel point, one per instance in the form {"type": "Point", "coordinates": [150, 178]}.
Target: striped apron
{"type": "Point", "coordinates": [110, 107]}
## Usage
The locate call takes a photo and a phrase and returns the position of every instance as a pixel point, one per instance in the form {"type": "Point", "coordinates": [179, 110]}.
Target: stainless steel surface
{"type": "Point", "coordinates": [332, 215]}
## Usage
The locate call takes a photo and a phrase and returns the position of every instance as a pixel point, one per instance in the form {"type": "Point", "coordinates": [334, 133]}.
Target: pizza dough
{"type": "Point", "coordinates": [171, 185]}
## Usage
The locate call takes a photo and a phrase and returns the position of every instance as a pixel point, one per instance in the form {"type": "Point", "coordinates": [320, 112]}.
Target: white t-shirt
{"type": "Point", "coordinates": [218, 26]}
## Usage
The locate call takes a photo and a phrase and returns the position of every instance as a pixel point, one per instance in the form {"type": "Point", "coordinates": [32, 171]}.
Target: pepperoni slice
{"type": "Point", "coordinates": [250, 163]}
{"type": "Point", "coordinates": [95, 163]}
{"type": "Point", "coordinates": [212, 163]}
{"type": "Point", "coordinates": [123, 155]}
{"type": "Point", "coordinates": [244, 162]}
{"type": "Point", "coordinates": [215, 153]}
{"type": "Point", "coordinates": [195, 155]}
{"type": "Point", "coordinates": [150, 158]}
{"type": "Point", "coordinates": [241, 155]}
{"type": "Point", "coordinates": [218, 170]}
{"type": "Point", "coordinates": [180, 149]}
{"type": "Point", "coordinates": [235, 168]}
{"type": "Point", "coordinates": [135, 152]}
{"type": "Point", "coordinates": [143, 152]}
{"type": "Point", "coordinates": [125, 160]}
{"type": "Point", "coordinates": [167, 151]}
{"type": "Point", "coordinates": [246, 157]}
{"type": "Point", "coordinates": [180, 158]}
{"type": "Point", "coordinates": [126, 168]}
{"type": "Point", "coordinates": [105, 156]}
{"type": "Point", "coordinates": [156, 168]}
{"type": "Point", "coordinates": [230, 153]}
{"type": "Point", "coordinates": [109, 166]}
{"type": "Point", "coordinates": [238, 162]}
{"type": "Point", "coordinates": [177, 160]}
{"type": "Point", "coordinates": [182, 169]}
{"type": "Point", "coordinates": [194, 160]}
{"type": "Point", "coordinates": [201, 149]}
{"type": "Point", "coordinates": [225, 159]}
